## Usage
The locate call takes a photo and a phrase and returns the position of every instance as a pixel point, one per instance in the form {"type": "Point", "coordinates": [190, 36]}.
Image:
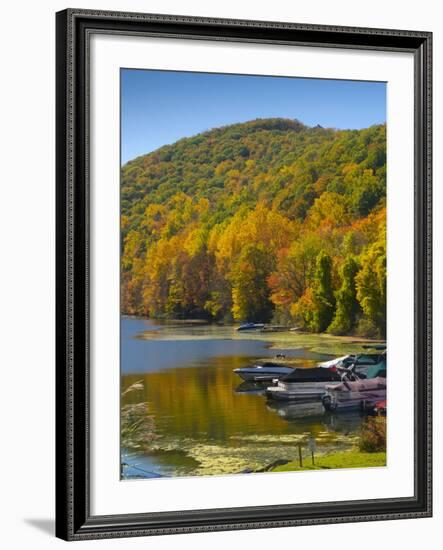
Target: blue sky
{"type": "Point", "coordinates": [160, 107]}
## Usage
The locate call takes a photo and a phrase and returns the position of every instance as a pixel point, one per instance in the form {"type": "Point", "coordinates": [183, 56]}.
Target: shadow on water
{"type": "Point", "coordinates": [313, 412]}
{"type": "Point", "coordinates": [252, 387]}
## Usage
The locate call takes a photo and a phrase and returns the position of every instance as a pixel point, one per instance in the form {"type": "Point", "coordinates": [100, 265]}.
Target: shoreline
{"type": "Point", "coordinates": [170, 323]}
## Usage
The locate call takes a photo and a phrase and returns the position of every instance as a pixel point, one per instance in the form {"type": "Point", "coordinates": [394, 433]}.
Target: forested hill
{"type": "Point", "coordinates": [267, 219]}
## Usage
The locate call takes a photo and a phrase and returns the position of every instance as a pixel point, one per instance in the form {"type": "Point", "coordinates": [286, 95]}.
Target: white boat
{"type": "Point", "coordinates": [251, 326]}
{"type": "Point", "coordinates": [306, 384]}
{"type": "Point", "coordinates": [265, 372]}
{"type": "Point", "coordinates": [345, 359]}
{"type": "Point", "coordinates": [304, 392]}
{"type": "Point", "coordinates": [269, 371]}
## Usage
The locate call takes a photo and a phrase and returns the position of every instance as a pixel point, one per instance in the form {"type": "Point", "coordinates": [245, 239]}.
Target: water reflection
{"type": "Point", "coordinates": [313, 413]}
{"type": "Point", "coordinates": [252, 387]}
{"type": "Point", "coordinates": [202, 401]}
{"type": "Point", "coordinates": [207, 421]}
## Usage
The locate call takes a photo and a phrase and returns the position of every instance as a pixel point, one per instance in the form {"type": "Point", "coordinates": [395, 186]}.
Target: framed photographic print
{"type": "Point", "coordinates": [243, 231]}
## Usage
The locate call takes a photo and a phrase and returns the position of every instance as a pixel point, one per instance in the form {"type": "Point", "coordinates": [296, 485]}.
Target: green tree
{"type": "Point", "coordinates": [323, 294]}
{"type": "Point", "coordinates": [346, 299]}
{"type": "Point", "coordinates": [371, 287]}
{"type": "Point", "coordinates": [367, 192]}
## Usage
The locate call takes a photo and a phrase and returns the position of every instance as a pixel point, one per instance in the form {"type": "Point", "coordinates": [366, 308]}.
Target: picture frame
{"type": "Point", "coordinates": [74, 519]}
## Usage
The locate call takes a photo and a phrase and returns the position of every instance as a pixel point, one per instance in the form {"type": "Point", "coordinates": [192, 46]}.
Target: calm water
{"type": "Point", "coordinates": [203, 419]}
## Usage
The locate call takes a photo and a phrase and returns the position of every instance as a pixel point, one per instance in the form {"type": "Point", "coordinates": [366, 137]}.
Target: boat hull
{"type": "Point", "coordinates": [258, 374]}
{"type": "Point", "coordinates": [301, 392]}
{"type": "Point", "coordinates": [353, 401]}
{"type": "Point", "coordinates": [351, 396]}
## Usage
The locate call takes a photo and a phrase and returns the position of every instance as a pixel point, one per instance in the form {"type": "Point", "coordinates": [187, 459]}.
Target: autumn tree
{"type": "Point", "coordinates": [258, 220]}
{"type": "Point", "coordinates": [250, 292]}
{"type": "Point", "coordinates": [294, 271]}
{"type": "Point", "coordinates": [328, 211]}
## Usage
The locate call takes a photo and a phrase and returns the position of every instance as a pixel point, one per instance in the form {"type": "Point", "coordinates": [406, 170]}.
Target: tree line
{"type": "Point", "coordinates": [267, 221]}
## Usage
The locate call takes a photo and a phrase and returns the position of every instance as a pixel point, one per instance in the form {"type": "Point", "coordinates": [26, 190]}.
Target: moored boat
{"type": "Point", "coordinates": [365, 365]}
{"type": "Point", "coordinates": [355, 395]}
{"type": "Point", "coordinates": [380, 408]}
{"type": "Point", "coordinates": [370, 364]}
{"type": "Point", "coordinates": [251, 326]}
{"type": "Point", "coordinates": [306, 384]}
{"type": "Point", "coordinates": [303, 393]}
{"type": "Point", "coordinates": [265, 372]}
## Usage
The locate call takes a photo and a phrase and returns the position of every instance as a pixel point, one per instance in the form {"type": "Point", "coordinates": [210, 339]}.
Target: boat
{"type": "Point", "coordinates": [302, 393]}
{"type": "Point", "coordinates": [344, 361]}
{"type": "Point", "coordinates": [251, 326]}
{"type": "Point", "coordinates": [365, 365]}
{"type": "Point", "coordinates": [304, 385]}
{"type": "Point", "coordinates": [355, 395]}
{"type": "Point", "coordinates": [265, 372]}
{"type": "Point", "coordinates": [380, 408]}
{"type": "Point", "coordinates": [307, 384]}
{"type": "Point", "coordinates": [270, 371]}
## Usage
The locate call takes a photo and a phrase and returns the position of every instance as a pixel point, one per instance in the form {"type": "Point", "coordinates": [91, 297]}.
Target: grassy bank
{"type": "Point", "coordinates": [346, 459]}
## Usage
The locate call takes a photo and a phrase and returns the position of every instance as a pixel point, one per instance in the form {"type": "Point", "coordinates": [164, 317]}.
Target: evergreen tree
{"type": "Point", "coordinates": [371, 287]}
{"type": "Point", "coordinates": [323, 294]}
{"type": "Point", "coordinates": [346, 299]}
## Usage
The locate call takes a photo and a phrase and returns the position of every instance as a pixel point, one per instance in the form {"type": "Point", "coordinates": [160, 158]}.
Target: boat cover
{"type": "Point", "coordinates": [377, 370]}
{"type": "Point", "coordinates": [360, 385]}
{"type": "Point", "coordinates": [315, 374]}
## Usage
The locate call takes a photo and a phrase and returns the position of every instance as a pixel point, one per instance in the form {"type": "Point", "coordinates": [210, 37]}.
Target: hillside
{"type": "Point", "coordinates": [267, 219]}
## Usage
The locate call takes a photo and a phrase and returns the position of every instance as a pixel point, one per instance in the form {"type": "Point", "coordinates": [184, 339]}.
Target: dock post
{"type": "Point", "coordinates": [312, 447]}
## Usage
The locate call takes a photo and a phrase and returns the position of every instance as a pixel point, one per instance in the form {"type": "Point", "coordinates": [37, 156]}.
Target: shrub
{"type": "Point", "coordinates": [367, 329]}
{"type": "Point", "coordinates": [373, 435]}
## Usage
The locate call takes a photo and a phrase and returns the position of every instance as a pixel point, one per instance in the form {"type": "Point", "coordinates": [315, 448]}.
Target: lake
{"type": "Point", "coordinates": [202, 418]}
